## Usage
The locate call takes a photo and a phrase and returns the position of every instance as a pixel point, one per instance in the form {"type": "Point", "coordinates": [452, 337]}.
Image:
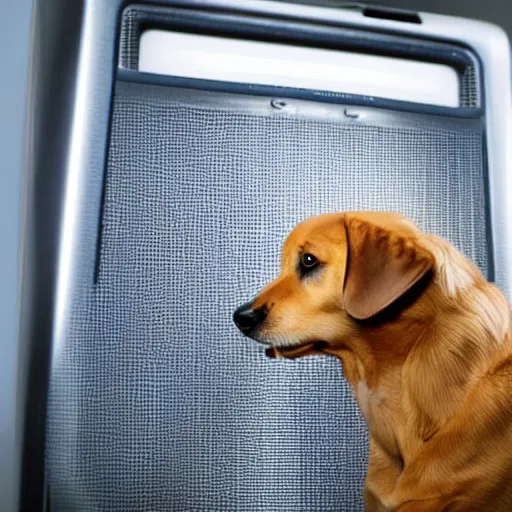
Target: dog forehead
{"type": "Point", "coordinates": [312, 230]}
{"type": "Point", "coordinates": [330, 226]}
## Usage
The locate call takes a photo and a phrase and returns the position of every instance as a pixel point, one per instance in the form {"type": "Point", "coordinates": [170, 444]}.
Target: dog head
{"type": "Point", "coordinates": [337, 271]}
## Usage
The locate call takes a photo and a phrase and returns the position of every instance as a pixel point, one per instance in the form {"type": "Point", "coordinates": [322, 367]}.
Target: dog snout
{"type": "Point", "coordinates": [247, 318]}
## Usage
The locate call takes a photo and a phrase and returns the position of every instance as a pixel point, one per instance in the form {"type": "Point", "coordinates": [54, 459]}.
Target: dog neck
{"type": "Point", "coordinates": [373, 363]}
{"type": "Point", "coordinates": [469, 334]}
{"type": "Point", "coordinates": [412, 374]}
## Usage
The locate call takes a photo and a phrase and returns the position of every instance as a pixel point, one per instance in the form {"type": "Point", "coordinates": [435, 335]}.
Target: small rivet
{"type": "Point", "coordinates": [351, 114]}
{"type": "Point", "coordinates": [278, 104]}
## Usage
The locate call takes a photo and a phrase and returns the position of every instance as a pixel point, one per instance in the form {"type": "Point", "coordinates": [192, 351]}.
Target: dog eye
{"type": "Point", "coordinates": [308, 261]}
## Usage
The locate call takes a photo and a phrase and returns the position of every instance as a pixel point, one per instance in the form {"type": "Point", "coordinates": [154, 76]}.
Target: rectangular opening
{"type": "Point", "coordinates": [392, 15]}
{"type": "Point", "coordinates": [272, 64]}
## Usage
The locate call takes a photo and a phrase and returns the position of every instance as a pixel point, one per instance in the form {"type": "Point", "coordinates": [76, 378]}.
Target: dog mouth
{"type": "Point", "coordinates": [295, 351]}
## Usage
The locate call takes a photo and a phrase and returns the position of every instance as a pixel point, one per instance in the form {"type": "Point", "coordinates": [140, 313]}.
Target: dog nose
{"type": "Point", "coordinates": [247, 318]}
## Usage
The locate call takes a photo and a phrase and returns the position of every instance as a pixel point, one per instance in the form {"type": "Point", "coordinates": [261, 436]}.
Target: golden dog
{"type": "Point", "coordinates": [424, 340]}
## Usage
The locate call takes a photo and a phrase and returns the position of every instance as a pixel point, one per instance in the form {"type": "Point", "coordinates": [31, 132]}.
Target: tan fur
{"type": "Point", "coordinates": [433, 377]}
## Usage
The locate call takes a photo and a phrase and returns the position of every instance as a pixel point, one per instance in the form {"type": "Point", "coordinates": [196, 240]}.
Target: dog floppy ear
{"type": "Point", "coordinates": [381, 266]}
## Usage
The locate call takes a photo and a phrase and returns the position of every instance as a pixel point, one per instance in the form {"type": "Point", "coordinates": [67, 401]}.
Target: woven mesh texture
{"type": "Point", "coordinates": [157, 403]}
{"type": "Point", "coordinates": [129, 40]}
{"type": "Point", "coordinates": [470, 87]}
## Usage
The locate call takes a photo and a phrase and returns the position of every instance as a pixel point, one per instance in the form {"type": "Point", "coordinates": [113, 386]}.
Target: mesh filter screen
{"type": "Point", "coordinates": [157, 403]}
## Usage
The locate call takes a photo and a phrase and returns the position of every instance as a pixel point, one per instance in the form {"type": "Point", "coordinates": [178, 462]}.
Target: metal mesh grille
{"type": "Point", "coordinates": [157, 403]}
{"type": "Point", "coordinates": [129, 40]}
{"type": "Point", "coordinates": [470, 87]}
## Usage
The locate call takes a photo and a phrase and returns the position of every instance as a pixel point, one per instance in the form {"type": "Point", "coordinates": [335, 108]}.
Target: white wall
{"type": "Point", "coordinates": [14, 40]}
